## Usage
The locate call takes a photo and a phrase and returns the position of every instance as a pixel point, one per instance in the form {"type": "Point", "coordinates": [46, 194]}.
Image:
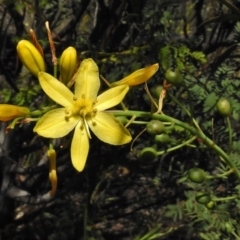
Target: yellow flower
{"type": "Point", "coordinates": [67, 64]}
{"type": "Point", "coordinates": [9, 112]}
{"type": "Point", "coordinates": [82, 110]}
{"type": "Point", "coordinates": [140, 76]}
{"type": "Point", "coordinates": [30, 57]}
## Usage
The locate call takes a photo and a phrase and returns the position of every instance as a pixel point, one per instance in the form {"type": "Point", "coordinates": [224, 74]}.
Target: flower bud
{"type": "Point", "coordinates": [140, 76]}
{"type": "Point", "coordinates": [30, 57]}
{"type": "Point", "coordinates": [9, 112]}
{"type": "Point", "coordinates": [52, 170]}
{"type": "Point", "coordinates": [67, 64]}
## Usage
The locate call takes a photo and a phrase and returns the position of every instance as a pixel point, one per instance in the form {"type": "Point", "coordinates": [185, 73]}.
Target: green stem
{"type": "Point", "coordinates": [220, 175]}
{"type": "Point", "coordinates": [38, 113]}
{"type": "Point", "coordinates": [230, 133]}
{"type": "Point", "coordinates": [14, 122]}
{"type": "Point", "coordinates": [180, 104]}
{"type": "Point", "coordinates": [123, 106]}
{"type": "Point", "coordinates": [190, 99]}
{"type": "Point", "coordinates": [177, 147]}
{"type": "Point", "coordinates": [51, 144]}
{"type": "Point", "coordinates": [225, 198]}
{"type": "Point", "coordinates": [235, 235]}
{"type": "Point", "coordinates": [196, 132]}
{"type": "Point", "coordinates": [55, 67]}
{"type": "Point", "coordinates": [185, 109]}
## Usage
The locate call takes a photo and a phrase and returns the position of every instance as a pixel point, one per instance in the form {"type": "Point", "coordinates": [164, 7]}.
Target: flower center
{"type": "Point", "coordinates": [83, 108]}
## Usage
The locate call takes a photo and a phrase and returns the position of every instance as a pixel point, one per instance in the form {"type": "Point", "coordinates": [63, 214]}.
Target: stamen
{"type": "Point", "coordinates": [68, 112]}
{"type": "Point", "coordinates": [87, 128]}
{"type": "Point", "coordinates": [81, 112]}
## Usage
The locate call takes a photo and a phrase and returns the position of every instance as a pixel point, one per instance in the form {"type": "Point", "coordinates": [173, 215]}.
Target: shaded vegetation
{"type": "Point", "coordinates": [119, 195]}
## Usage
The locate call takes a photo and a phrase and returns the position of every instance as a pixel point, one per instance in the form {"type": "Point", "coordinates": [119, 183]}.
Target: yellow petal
{"type": "Point", "coordinates": [67, 64]}
{"type": "Point", "coordinates": [54, 124]}
{"type": "Point", "coordinates": [111, 97]}
{"type": "Point", "coordinates": [9, 112]}
{"type": "Point", "coordinates": [138, 77]}
{"type": "Point", "coordinates": [87, 81]}
{"type": "Point", "coordinates": [56, 90]}
{"type": "Point", "coordinates": [108, 129]}
{"type": "Point", "coordinates": [30, 57]}
{"type": "Point", "coordinates": [79, 147]}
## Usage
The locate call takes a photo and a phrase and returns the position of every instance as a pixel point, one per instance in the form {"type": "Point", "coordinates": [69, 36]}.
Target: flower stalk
{"type": "Point", "coordinates": [194, 131]}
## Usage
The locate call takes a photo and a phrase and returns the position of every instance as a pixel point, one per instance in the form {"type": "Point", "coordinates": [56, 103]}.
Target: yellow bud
{"type": "Point", "coordinates": [52, 170]}
{"type": "Point", "coordinates": [67, 64]}
{"type": "Point", "coordinates": [140, 76]}
{"type": "Point", "coordinates": [9, 112]}
{"type": "Point", "coordinates": [30, 57]}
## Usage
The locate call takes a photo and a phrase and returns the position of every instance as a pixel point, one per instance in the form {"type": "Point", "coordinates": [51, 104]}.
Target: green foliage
{"type": "Point", "coordinates": [211, 235]}
{"type": "Point", "coordinates": [237, 31]}
{"type": "Point", "coordinates": [179, 57]}
{"type": "Point", "coordinates": [210, 102]}
{"type": "Point", "coordinates": [212, 222]}
{"type": "Point", "coordinates": [24, 97]}
{"type": "Point", "coordinates": [175, 212]}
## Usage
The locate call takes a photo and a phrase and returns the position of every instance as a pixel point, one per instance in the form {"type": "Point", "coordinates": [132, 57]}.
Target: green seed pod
{"type": "Point", "coordinates": [229, 227]}
{"type": "Point", "coordinates": [210, 205]}
{"type": "Point", "coordinates": [163, 138]}
{"type": "Point", "coordinates": [203, 197]}
{"type": "Point", "coordinates": [122, 119]}
{"type": "Point", "coordinates": [224, 107]}
{"type": "Point", "coordinates": [67, 64]}
{"type": "Point", "coordinates": [174, 77]}
{"type": "Point", "coordinates": [30, 57]}
{"type": "Point", "coordinates": [155, 127]}
{"type": "Point", "coordinates": [148, 154]}
{"type": "Point", "coordinates": [197, 175]}
{"type": "Point", "coordinates": [156, 91]}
